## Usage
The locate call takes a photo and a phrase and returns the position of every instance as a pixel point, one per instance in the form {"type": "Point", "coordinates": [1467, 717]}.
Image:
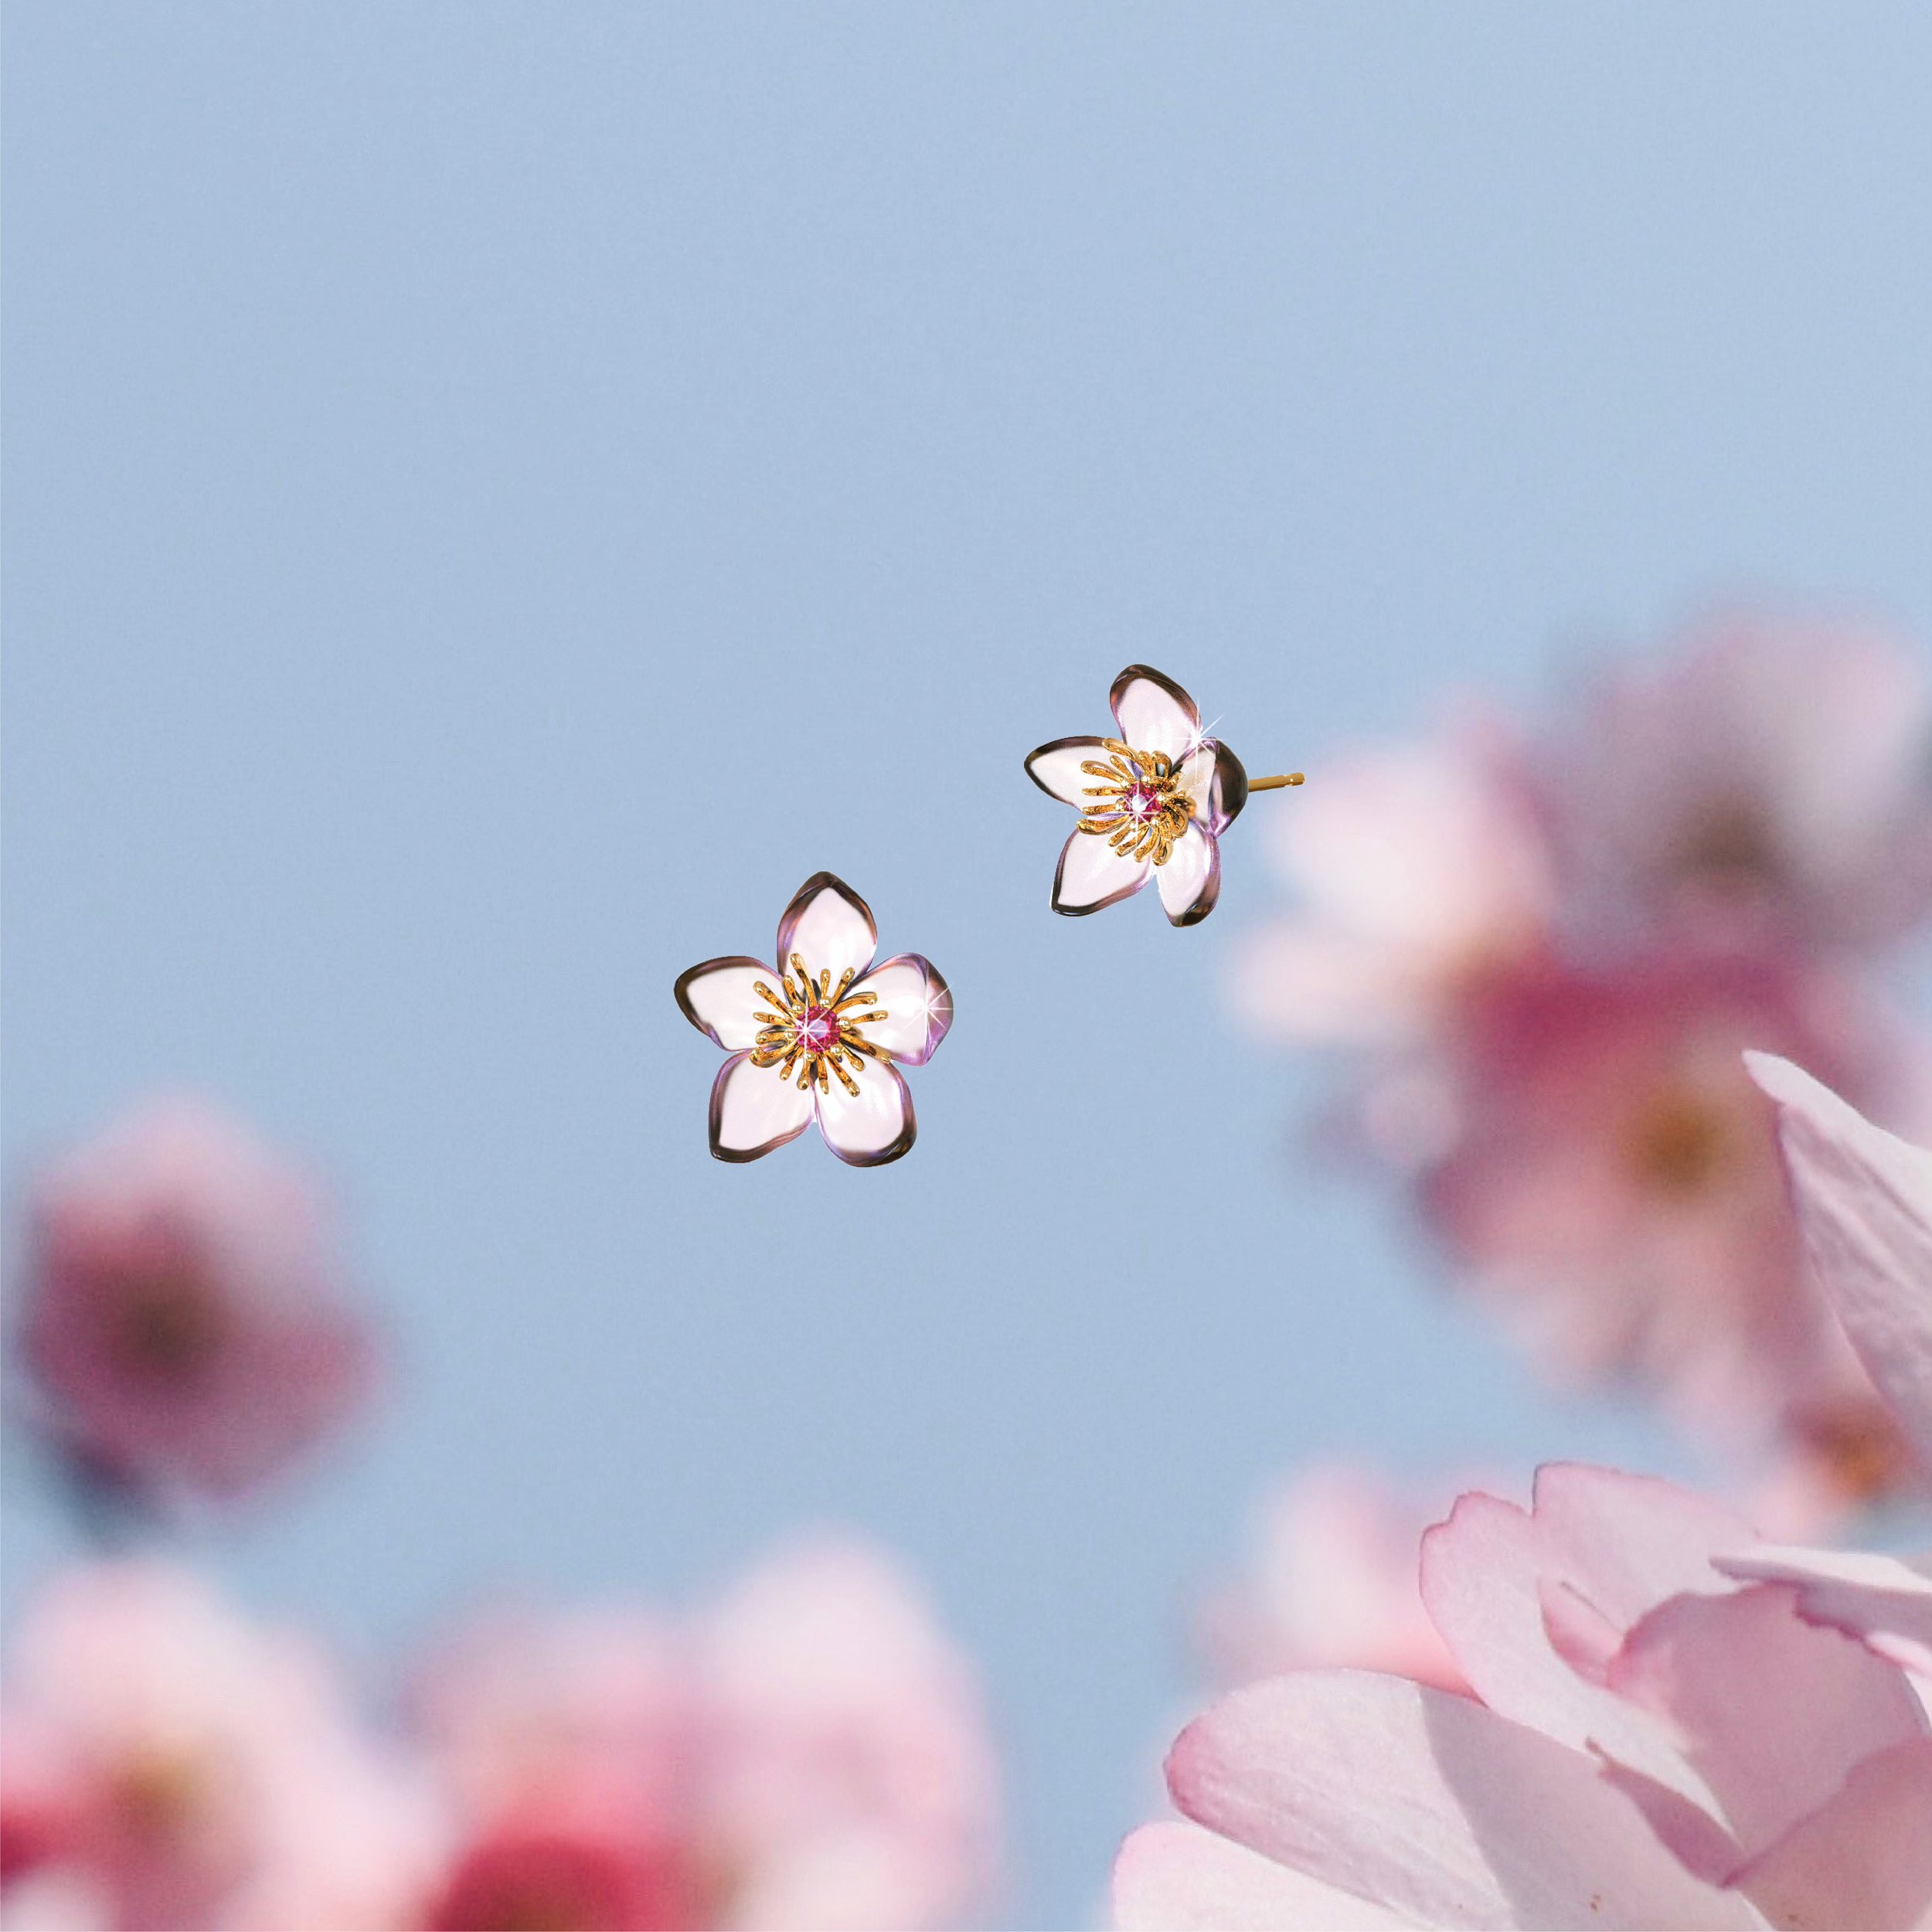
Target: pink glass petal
{"type": "Point", "coordinates": [1885, 1602]}
{"type": "Point", "coordinates": [1432, 1807]}
{"type": "Point", "coordinates": [1093, 876]}
{"type": "Point", "coordinates": [1154, 713]}
{"type": "Point", "coordinates": [1175, 1877]}
{"type": "Point", "coordinates": [876, 1126]}
{"type": "Point", "coordinates": [1190, 882]}
{"type": "Point", "coordinates": [1863, 1858]}
{"type": "Point", "coordinates": [1865, 1199]}
{"type": "Point", "coordinates": [717, 998]}
{"type": "Point", "coordinates": [829, 927]}
{"type": "Point", "coordinates": [918, 1005]}
{"type": "Point", "coordinates": [753, 1109]}
{"type": "Point", "coordinates": [1055, 769]}
{"type": "Point", "coordinates": [1217, 782]}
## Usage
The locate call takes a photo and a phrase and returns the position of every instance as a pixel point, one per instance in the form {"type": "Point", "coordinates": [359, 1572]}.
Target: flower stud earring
{"type": "Point", "coordinates": [1153, 802]}
{"type": "Point", "coordinates": [816, 1035]}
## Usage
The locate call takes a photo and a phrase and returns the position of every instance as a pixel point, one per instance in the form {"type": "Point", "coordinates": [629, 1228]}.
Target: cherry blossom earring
{"type": "Point", "coordinates": [826, 1014]}
{"type": "Point", "coordinates": [1153, 802]}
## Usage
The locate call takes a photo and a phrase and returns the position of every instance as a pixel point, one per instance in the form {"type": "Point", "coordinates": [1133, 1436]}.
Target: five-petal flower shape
{"type": "Point", "coordinates": [818, 1034]}
{"type": "Point", "coordinates": [1153, 802]}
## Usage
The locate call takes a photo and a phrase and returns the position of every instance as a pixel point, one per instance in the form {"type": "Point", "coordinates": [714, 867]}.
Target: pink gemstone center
{"type": "Point", "coordinates": [818, 1029]}
{"type": "Point", "coordinates": [1142, 803]}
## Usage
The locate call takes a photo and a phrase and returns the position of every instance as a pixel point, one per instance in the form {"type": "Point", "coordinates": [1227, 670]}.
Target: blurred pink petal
{"type": "Point", "coordinates": [1864, 1201]}
{"type": "Point", "coordinates": [44, 1799]}
{"type": "Point", "coordinates": [184, 1327]}
{"type": "Point", "coordinates": [578, 1869]}
{"type": "Point", "coordinates": [518, 1707]}
{"type": "Point", "coordinates": [1422, 871]}
{"type": "Point", "coordinates": [853, 1769]}
{"type": "Point", "coordinates": [812, 1753]}
{"type": "Point", "coordinates": [1333, 1581]}
{"type": "Point", "coordinates": [1765, 785]}
{"type": "Point", "coordinates": [56, 1899]}
{"type": "Point", "coordinates": [216, 1778]}
{"type": "Point", "coordinates": [1610, 1190]}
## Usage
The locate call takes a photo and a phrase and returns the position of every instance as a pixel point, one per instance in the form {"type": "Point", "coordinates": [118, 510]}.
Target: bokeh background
{"type": "Point", "coordinates": [497, 494]}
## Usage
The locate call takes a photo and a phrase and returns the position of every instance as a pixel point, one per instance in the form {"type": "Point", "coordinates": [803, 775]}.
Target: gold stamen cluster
{"type": "Point", "coordinates": [782, 1043]}
{"type": "Point", "coordinates": [1126, 772]}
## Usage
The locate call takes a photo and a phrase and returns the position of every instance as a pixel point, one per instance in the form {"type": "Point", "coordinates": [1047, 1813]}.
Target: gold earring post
{"type": "Point", "coordinates": [1275, 784]}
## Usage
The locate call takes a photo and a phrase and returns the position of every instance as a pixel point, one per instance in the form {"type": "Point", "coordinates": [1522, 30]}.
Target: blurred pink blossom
{"type": "Point", "coordinates": [581, 1866]}
{"type": "Point", "coordinates": [184, 1329]}
{"type": "Point", "coordinates": [1334, 1580]}
{"type": "Point", "coordinates": [810, 1753]}
{"type": "Point", "coordinates": [1673, 1723]}
{"type": "Point", "coordinates": [1610, 1189]}
{"type": "Point", "coordinates": [1764, 785]}
{"type": "Point", "coordinates": [179, 1767]}
{"type": "Point", "coordinates": [1544, 953]}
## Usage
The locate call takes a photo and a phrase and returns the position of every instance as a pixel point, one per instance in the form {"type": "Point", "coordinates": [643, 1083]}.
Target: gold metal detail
{"type": "Point", "coordinates": [812, 1029]}
{"type": "Point", "coordinates": [1142, 809]}
{"type": "Point", "coordinates": [1275, 784]}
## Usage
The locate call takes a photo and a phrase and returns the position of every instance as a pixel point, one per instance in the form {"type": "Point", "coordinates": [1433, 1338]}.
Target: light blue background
{"type": "Point", "coordinates": [498, 495]}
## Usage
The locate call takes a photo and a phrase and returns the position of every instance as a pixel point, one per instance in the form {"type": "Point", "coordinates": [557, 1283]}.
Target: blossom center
{"type": "Point", "coordinates": [1139, 807]}
{"type": "Point", "coordinates": [153, 1796]}
{"type": "Point", "coordinates": [1680, 1141]}
{"type": "Point", "coordinates": [166, 1327]}
{"type": "Point", "coordinates": [814, 1027]}
{"type": "Point", "coordinates": [1729, 845]}
{"type": "Point", "coordinates": [1858, 1446]}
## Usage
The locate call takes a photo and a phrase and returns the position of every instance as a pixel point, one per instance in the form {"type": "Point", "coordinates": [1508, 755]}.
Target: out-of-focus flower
{"type": "Point", "coordinates": [183, 1328]}
{"type": "Point", "coordinates": [1611, 1190]}
{"type": "Point", "coordinates": [583, 1865]}
{"type": "Point", "coordinates": [812, 1753]}
{"type": "Point", "coordinates": [1765, 785]}
{"type": "Point", "coordinates": [839, 1024]}
{"type": "Point", "coordinates": [1153, 802]}
{"type": "Point", "coordinates": [1424, 872]}
{"type": "Point", "coordinates": [1546, 952]}
{"type": "Point", "coordinates": [1672, 1722]}
{"type": "Point", "coordinates": [1335, 1582]}
{"type": "Point", "coordinates": [180, 1767]}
